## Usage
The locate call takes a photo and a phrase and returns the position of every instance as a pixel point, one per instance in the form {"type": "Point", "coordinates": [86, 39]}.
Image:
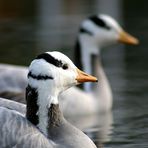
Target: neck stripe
{"type": "Point", "coordinates": [39, 77]}
{"type": "Point", "coordinates": [32, 106]}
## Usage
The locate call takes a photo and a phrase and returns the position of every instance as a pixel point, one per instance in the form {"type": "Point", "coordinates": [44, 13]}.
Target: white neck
{"type": "Point", "coordinates": [102, 89]}
{"type": "Point", "coordinates": [47, 95]}
{"type": "Point", "coordinates": [89, 48]}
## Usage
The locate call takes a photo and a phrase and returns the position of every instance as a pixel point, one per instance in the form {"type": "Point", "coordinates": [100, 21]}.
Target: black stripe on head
{"type": "Point", "coordinates": [83, 30]}
{"type": "Point", "coordinates": [99, 22]}
{"type": "Point", "coordinates": [48, 58]}
{"type": "Point", "coordinates": [39, 77]}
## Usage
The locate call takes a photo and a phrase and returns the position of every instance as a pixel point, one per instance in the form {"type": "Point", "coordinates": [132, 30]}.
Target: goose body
{"type": "Point", "coordinates": [13, 81]}
{"type": "Point", "coordinates": [44, 124]}
{"type": "Point", "coordinates": [13, 105]}
{"type": "Point", "coordinates": [23, 134]}
{"type": "Point", "coordinates": [95, 32]}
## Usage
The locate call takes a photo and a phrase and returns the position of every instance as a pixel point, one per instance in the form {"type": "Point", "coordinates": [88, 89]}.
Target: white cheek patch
{"type": "Point", "coordinates": [90, 26]}
{"type": "Point", "coordinates": [40, 67]}
{"type": "Point", "coordinates": [70, 78]}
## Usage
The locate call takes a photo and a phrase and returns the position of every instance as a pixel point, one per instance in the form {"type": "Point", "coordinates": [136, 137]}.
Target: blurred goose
{"type": "Point", "coordinates": [95, 32]}
{"type": "Point", "coordinates": [13, 80]}
{"type": "Point", "coordinates": [44, 125]}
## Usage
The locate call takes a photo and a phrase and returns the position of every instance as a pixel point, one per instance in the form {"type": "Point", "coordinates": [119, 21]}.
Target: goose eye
{"type": "Point", "coordinates": [65, 66]}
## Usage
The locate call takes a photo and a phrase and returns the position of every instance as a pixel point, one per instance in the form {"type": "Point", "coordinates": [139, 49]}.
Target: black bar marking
{"type": "Point", "coordinates": [39, 77]}
{"type": "Point", "coordinates": [48, 58]}
{"type": "Point", "coordinates": [99, 22]}
{"type": "Point", "coordinates": [83, 30]}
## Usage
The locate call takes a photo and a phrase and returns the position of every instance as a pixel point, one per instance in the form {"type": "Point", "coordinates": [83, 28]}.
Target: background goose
{"type": "Point", "coordinates": [95, 32]}
{"type": "Point", "coordinates": [13, 80]}
{"type": "Point", "coordinates": [44, 125]}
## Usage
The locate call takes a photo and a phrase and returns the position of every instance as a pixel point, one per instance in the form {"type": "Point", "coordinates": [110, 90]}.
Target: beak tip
{"type": "Point", "coordinates": [126, 38]}
{"type": "Point", "coordinates": [137, 42]}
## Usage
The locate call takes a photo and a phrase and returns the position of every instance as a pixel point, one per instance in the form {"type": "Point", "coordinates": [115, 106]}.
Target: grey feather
{"type": "Point", "coordinates": [12, 105]}
{"type": "Point", "coordinates": [17, 131]}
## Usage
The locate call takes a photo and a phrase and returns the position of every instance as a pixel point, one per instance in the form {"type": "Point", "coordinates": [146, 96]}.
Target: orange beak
{"type": "Point", "coordinates": [84, 77]}
{"type": "Point", "coordinates": [127, 38]}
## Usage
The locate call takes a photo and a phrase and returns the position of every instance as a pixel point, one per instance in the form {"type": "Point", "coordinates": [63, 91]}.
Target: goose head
{"type": "Point", "coordinates": [55, 72]}
{"type": "Point", "coordinates": [102, 30]}
{"type": "Point", "coordinates": [96, 32]}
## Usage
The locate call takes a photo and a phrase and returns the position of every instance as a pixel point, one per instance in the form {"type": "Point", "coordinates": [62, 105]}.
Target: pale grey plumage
{"type": "Point", "coordinates": [44, 124]}
{"type": "Point", "coordinates": [12, 105]}
{"type": "Point", "coordinates": [24, 134]}
{"type": "Point", "coordinates": [13, 81]}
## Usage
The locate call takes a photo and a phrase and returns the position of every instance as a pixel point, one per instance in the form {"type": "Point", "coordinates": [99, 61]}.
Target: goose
{"type": "Point", "coordinates": [96, 32]}
{"type": "Point", "coordinates": [44, 125]}
{"type": "Point", "coordinates": [13, 80]}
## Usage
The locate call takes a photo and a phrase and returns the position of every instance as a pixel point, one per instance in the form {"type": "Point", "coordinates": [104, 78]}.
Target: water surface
{"type": "Point", "coordinates": [28, 27]}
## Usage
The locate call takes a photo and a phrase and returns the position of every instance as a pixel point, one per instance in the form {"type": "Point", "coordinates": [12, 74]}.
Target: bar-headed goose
{"type": "Point", "coordinates": [95, 32]}
{"type": "Point", "coordinates": [44, 125]}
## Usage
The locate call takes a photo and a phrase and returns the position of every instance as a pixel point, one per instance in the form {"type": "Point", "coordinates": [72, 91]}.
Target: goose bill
{"type": "Point", "coordinates": [126, 38]}
{"type": "Point", "coordinates": [84, 77]}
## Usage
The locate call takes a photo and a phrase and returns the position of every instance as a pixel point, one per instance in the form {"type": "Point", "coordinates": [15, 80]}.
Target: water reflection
{"type": "Point", "coordinates": [97, 126]}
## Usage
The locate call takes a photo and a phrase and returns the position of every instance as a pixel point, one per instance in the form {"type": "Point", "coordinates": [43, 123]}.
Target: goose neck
{"type": "Point", "coordinates": [42, 109]}
{"type": "Point", "coordinates": [85, 49]}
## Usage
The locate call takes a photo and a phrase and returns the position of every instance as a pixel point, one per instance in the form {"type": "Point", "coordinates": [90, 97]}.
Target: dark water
{"type": "Point", "coordinates": [28, 27]}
